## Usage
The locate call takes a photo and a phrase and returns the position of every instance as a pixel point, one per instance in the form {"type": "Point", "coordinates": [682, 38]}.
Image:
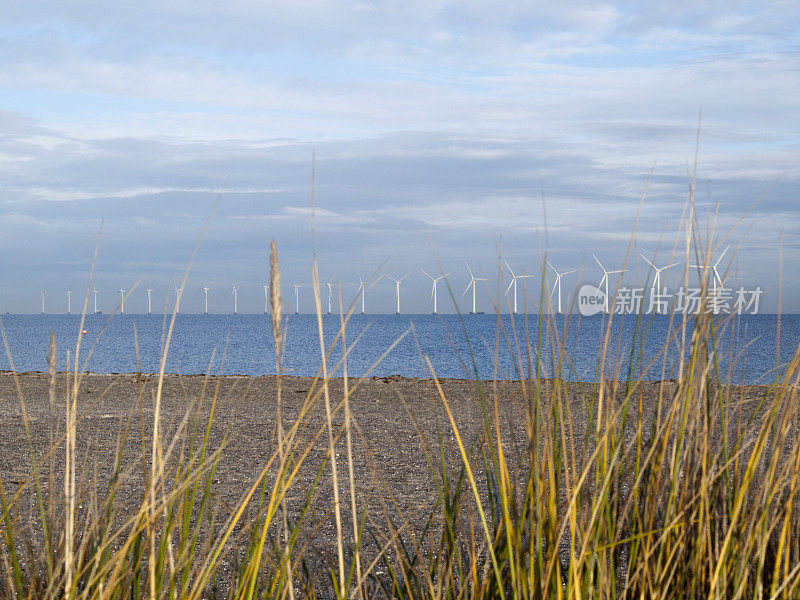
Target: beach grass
{"type": "Point", "coordinates": [689, 492]}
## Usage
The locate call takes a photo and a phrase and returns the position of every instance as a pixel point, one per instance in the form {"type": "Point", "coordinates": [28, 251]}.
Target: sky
{"type": "Point", "coordinates": [444, 133]}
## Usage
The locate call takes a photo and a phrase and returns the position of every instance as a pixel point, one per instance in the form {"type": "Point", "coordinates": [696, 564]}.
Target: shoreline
{"type": "Point", "coordinates": [148, 376]}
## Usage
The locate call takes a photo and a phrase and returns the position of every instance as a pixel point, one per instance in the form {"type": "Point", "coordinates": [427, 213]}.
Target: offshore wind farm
{"type": "Point", "coordinates": [597, 298]}
{"type": "Point", "coordinates": [501, 295]}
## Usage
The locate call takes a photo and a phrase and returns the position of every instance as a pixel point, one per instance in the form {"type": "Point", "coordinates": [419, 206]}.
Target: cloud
{"type": "Point", "coordinates": [473, 124]}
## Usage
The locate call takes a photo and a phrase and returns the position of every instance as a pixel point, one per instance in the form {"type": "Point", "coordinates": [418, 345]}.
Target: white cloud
{"type": "Point", "coordinates": [451, 115]}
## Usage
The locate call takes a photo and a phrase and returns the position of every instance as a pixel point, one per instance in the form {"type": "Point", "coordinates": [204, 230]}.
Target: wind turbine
{"type": "Point", "coordinates": [266, 297]}
{"type": "Point", "coordinates": [297, 287]}
{"type": "Point", "coordinates": [471, 284]}
{"type": "Point", "coordinates": [43, 293]}
{"type": "Point", "coordinates": [605, 280]}
{"type": "Point", "coordinates": [514, 283]}
{"type": "Point", "coordinates": [330, 293]}
{"type": "Point", "coordinates": [235, 294]}
{"type": "Point", "coordinates": [122, 301]}
{"type": "Point", "coordinates": [397, 288]}
{"type": "Point", "coordinates": [363, 290]}
{"type": "Point", "coordinates": [656, 287]}
{"type": "Point", "coordinates": [95, 301]}
{"type": "Point", "coordinates": [69, 302]}
{"type": "Point", "coordinates": [178, 294]}
{"type": "Point", "coordinates": [716, 278]}
{"type": "Point", "coordinates": [205, 291]}
{"type": "Point", "coordinates": [558, 283]}
{"type": "Point", "coordinates": [149, 303]}
{"type": "Point", "coordinates": [433, 289]}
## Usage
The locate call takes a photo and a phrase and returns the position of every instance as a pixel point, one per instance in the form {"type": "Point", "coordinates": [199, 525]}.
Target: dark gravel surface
{"type": "Point", "coordinates": [392, 476]}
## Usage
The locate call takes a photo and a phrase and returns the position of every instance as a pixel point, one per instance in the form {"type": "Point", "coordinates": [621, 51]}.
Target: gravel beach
{"type": "Point", "coordinates": [395, 419]}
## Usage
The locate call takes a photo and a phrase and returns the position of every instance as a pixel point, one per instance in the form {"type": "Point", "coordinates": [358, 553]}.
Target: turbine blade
{"type": "Point", "coordinates": [568, 272]}
{"type": "Point", "coordinates": [721, 255]}
{"type": "Point", "coordinates": [468, 286]}
{"type": "Point", "coordinates": [599, 263]}
{"type": "Point", "coordinates": [716, 274]}
{"type": "Point", "coordinates": [509, 268]}
{"type": "Point", "coordinates": [647, 259]}
{"type": "Point", "coordinates": [552, 267]}
{"type": "Point", "coordinates": [509, 286]}
{"type": "Point", "coordinates": [470, 271]}
{"type": "Point", "coordinates": [426, 273]}
{"type": "Point", "coordinates": [669, 266]}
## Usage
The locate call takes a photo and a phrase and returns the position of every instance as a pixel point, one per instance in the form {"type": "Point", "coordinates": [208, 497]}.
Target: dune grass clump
{"type": "Point", "coordinates": [682, 488]}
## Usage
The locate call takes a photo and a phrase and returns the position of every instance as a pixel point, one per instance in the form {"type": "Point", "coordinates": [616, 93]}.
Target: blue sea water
{"type": "Point", "coordinates": [200, 343]}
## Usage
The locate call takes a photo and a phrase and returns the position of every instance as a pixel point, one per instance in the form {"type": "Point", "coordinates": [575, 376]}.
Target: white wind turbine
{"type": "Point", "coordinates": [235, 294]}
{"type": "Point", "coordinates": [433, 289]}
{"type": "Point", "coordinates": [297, 287]}
{"type": "Point", "coordinates": [715, 274]}
{"type": "Point", "coordinates": [656, 287]}
{"type": "Point", "coordinates": [330, 293]}
{"type": "Point", "coordinates": [397, 288]}
{"type": "Point", "coordinates": [121, 301]}
{"type": "Point", "coordinates": [266, 297]}
{"type": "Point", "coordinates": [149, 301]}
{"type": "Point", "coordinates": [43, 293]}
{"type": "Point", "coordinates": [362, 290]}
{"type": "Point", "coordinates": [514, 283]}
{"type": "Point", "coordinates": [178, 294]}
{"type": "Point", "coordinates": [471, 284]}
{"type": "Point", "coordinates": [557, 284]}
{"type": "Point", "coordinates": [205, 291]}
{"type": "Point", "coordinates": [605, 280]}
{"type": "Point", "coordinates": [69, 302]}
{"type": "Point", "coordinates": [95, 301]}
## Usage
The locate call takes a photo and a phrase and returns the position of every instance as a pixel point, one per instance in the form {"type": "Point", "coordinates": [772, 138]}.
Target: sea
{"type": "Point", "coordinates": [749, 349]}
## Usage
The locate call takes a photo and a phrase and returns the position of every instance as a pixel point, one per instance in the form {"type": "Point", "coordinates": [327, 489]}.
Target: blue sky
{"type": "Point", "coordinates": [433, 122]}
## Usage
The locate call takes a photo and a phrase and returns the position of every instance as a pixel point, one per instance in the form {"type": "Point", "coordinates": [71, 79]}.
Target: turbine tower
{"type": "Point", "coordinates": [330, 293]}
{"type": "Point", "coordinates": [514, 283]}
{"type": "Point", "coordinates": [149, 303]}
{"type": "Point", "coordinates": [178, 294]}
{"type": "Point", "coordinates": [433, 289]}
{"type": "Point", "coordinates": [205, 291]}
{"type": "Point", "coordinates": [297, 287]}
{"type": "Point", "coordinates": [95, 301]}
{"type": "Point", "coordinates": [397, 288]}
{"type": "Point", "coordinates": [43, 293]}
{"type": "Point", "coordinates": [69, 302]}
{"type": "Point", "coordinates": [235, 294]}
{"type": "Point", "coordinates": [656, 287]}
{"type": "Point", "coordinates": [472, 285]}
{"type": "Point", "coordinates": [122, 301]}
{"type": "Point", "coordinates": [557, 284]}
{"type": "Point", "coordinates": [605, 280]}
{"type": "Point", "coordinates": [266, 297]}
{"type": "Point", "coordinates": [362, 290]}
{"type": "Point", "coordinates": [715, 274]}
